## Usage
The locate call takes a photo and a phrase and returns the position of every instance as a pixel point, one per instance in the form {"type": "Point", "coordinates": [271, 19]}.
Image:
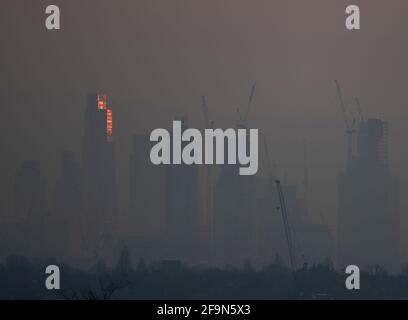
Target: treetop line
{"type": "Point", "coordinates": [53, 17]}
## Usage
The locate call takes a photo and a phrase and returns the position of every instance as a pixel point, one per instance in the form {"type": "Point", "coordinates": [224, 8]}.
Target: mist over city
{"type": "Point", "coordinates": [79, 106]}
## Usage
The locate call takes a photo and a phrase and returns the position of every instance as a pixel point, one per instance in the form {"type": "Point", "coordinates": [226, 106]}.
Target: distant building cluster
{"type": "Point", "coordinates": [82, 216]}
{"type": "Point", "coordinates": [201, 215]}
{"type": "Point", "coordinates": [368, 203]}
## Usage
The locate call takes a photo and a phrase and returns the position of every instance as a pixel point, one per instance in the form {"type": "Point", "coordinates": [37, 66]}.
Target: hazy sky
{"type": "Point", "coordinates": [155, 59]}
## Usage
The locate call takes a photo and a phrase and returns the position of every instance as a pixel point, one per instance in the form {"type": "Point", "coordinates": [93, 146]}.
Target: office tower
{"type": "Point", "coordinates": [68, 206]}
{"type": "Point", "coordinates": [182, 209]}
{"type": "Point", "coordinates": [30, 207]}
{"type": "Point", "coordinates": [234, 216]}
{"type": "Point", "coordinates": [146, 191]}
{"type": "Point", "coordinates": [29, 192]}
{"type": "Point", "coordinates": [99, 165]}
{"type": "Point", "coordinates": [368, 203]}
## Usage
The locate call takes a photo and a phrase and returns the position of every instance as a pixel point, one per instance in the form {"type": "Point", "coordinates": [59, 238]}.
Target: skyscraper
{"type": "Point", "coordinates": [99, 165]}
{"type": "Point", "coordinates": [29, 192]}
{"type": "Point", "coordinates": [234, 216]}
{"type": "Point", "coordinates": [68, 205]}
{"type": "Point", "coordinates": [182, 209]}
{"type": "Point", "coordinates": [368, 203]}
{"type": "Point", "coordinates": [146, 191]}
{"type": "Point", "coordinates": [30, 207]}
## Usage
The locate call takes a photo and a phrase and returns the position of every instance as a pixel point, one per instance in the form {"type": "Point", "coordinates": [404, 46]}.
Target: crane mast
{"type": "Point", "coordinates": [243, 117]}
{"type": "Point", "coordinates": [349, 128]}
{"type": "Point", "coordinates": [286, 225]}
{"type": "Point", "coordinates": [283, 209]}
{"type": "Point", "coordinates": [251, 96]}
{"type": "Point", "coordinates": [359, 110]}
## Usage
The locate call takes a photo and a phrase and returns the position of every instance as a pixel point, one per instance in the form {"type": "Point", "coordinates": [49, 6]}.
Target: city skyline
{"type": "Point", "coordinates": [154, 66]}
{"type": "Point", "coordinates": [243, 206]}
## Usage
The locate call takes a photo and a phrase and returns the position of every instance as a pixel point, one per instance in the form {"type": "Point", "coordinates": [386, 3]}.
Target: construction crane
{"type": "Point", "coordinates": [349, 127]}
{"type": "Point", "coordinates": [251, 96]}
{"type": "Point", "coordinates": [267, 161]}
{"type": "Point", "coordinates": [283, 209]}
{"type": "Point", "coordinates": [243, 119]}
{"type": "Point", "coordinates": [286, 225]}
{"type": "Point", "coordinates": [359, 110]}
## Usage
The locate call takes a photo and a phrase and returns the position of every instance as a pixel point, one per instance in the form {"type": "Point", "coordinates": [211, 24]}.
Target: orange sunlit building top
{"type": "Point", "coordinates": [101, 102]}
{"type": "Point", "coordinates": [109, 125]}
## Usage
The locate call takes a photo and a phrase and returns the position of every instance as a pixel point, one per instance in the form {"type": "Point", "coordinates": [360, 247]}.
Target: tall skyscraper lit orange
{"type": "Point", "coordinates": [99, 158]}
